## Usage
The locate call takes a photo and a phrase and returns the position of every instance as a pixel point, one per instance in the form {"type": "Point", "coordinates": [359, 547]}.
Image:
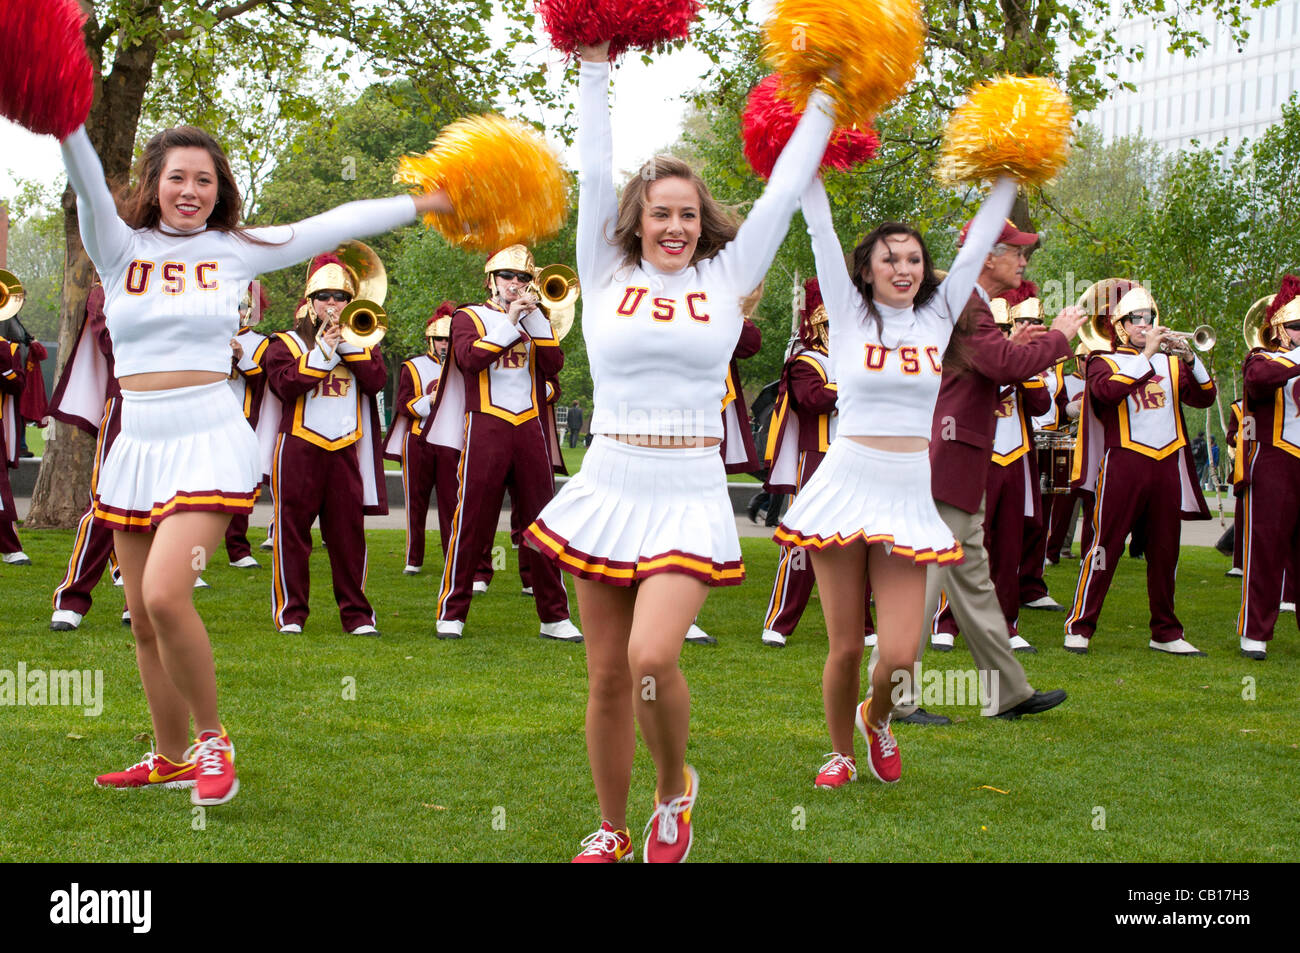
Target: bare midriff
{"type": "Point", "coordinates": [654, 440]}
{"type": "Point", "coordinates": [168, 380]}
{"type": "Point", "coordinates": [894, 444]}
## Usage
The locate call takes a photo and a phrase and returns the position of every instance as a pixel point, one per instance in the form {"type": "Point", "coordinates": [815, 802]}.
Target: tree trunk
{"type": "Point", "coordinates": [63, 484]}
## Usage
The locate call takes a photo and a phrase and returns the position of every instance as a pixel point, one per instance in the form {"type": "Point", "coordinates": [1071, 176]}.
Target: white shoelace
{"type": "Point", "coordinates": [206, 755]}
{"type": "Point", "coordinates": [838, 764]}
{"type": "Point", "coordinates": [147, 761]}
{"type": "Point", "coordinates": [888, 746]}
{"type": "Point", "coordinates": [600, 843]}
{"type": "Point", "coordinates": [667, 814]}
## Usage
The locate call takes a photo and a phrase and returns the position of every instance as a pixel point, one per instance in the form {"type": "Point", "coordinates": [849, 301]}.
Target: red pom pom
{"type": "Point", "coordinates": [445, 310]}
{"type": "Point", "coordinates": [769, 122]}
{"type": "Point", "coordinates": [1289, 290]}
{"type": "Point", "coordinates": [46, 80]}
{"type": "Point", "coordinates": [1014, 296]}
{"type": "Point", "coordinates": [627, 24]}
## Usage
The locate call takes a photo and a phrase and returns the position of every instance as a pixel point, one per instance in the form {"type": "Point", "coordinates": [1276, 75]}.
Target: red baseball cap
{"type": "Point", "coordinates": [1010, 235]}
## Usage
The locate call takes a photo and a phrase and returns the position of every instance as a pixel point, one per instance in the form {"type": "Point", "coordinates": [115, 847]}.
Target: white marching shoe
{"type": "Point", "coordinates": [1254, 648]}
{"type": "Point", "coordinates": [942, 641]}
{"type": "Point", "coordinates": [364, 630]}
{"type": "Point", "coordinates": [698, 636]}
{"type": "Point", "coordinates": [773, 638]}
{"type": "Point", "coordinates": [248, 562]}
{"type": "Point", "coordinates": [449, 629]}
{"type": "Point", "coordinates": [562, 631]}
{"type": "Point", "coordinates": [200, 584]}
{"type": "Point", "coordinates": [1044, 602]}
{"type": "Point", "coordinates": [1176, 647]}
{"type": "Point", "coordinates": [480, 586]}
{"type": "Point", "coordinates": [1018, 644]}
{"type": "Point", "coordinates": [409, 570]}
{"type": "Point", "coordinates": [869, 641]}
{"type": "Point", "coordinates": [1286, 607]}
{"type": "Point", "coordinates": [1077, 644]}
{"type": "Point", "coordinates": [64, 620]}
{"type": "Point", "coordinates": [19, 558]}
{"type": "Point", "coordinates": [293, 628]}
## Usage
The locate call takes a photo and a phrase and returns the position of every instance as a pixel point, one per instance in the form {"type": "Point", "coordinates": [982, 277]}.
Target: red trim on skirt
{"type": "Point", "coordinates": [622, 573]}
{"type": "Point", "coordinates": [200, 501]}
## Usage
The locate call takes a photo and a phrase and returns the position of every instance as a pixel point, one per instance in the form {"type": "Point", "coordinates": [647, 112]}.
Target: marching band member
{"type": "Point", "coordinates": [1270, 463]}
{"type": "Point", "coordinates": [1233, 439]}
{"type": "Point", "coordinates": [87, 396]}
{"type": "Point", "coordinates": [1054, 420]}
{"type": "Point", "coordinates": [12, 377]}
{"type": "Point", "coordinates": [248, 383]}
{"type": "Point", "coordinates": [173, 266]}
{"type": "Point", "coordinates": [979, 361]}
{"type": "Point", "coordinates": [1066, 506]}
{"type": "Point", "coordinates": [1011, 488]}
{"type": "Point", "coordinates": [417, 384]}
{"type": "Point", "coordinates": [646, 526]}
{"type": "Point", "coordinates": [326, 459]}
{"type": "Point", "coordinates": [802, 429]}
{"type": "Point", "coordinates": [502, 353]}
{"type": "Point", "coordinates": [1133, 438]}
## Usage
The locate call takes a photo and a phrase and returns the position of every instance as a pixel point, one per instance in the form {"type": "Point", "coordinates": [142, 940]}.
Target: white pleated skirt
{"type": "Point", "coordinates": [873, 495]}
{"type": "Point", "coordinates": [183, 449]}
{"type": "Point", "coordinates": [633, 512]}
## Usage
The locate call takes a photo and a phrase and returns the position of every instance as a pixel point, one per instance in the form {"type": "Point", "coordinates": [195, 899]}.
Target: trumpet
{"type": "Point", "coordinates": [1180, 342]}
{"type": "Point", "coordinates": [363, 323]}
{"type": "Point", "coordinates": [557, 290]}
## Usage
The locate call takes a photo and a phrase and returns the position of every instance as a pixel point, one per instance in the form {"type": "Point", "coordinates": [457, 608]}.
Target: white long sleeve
{"type": "Point", "coordinates": [106, 237]}
{"type": "Point", "coordinates": [597, 256]}
{"type": "Point", "coordinates": [955, 290]}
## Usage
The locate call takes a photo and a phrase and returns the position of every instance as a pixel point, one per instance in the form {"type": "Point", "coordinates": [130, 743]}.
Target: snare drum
{"type": "Point", "coordinates": [1055, 458]}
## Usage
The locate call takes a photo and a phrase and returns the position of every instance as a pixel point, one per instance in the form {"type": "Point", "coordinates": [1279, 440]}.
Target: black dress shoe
{"type": "Point", "coordinates": [1036, 703]}
{"type": "Point", "coordinates": [922, 717]}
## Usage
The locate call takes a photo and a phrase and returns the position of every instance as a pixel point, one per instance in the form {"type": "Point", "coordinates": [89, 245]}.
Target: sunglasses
{"type": "Point", "coordinates": [1292, 326]}
{"type": "Point", "coordinates": [341, 296]}
{"type": "Point", "coordinates": [1140, 318]}
{"type": "Point", "coordinates": [1029, 320]}
{"type": "Point", "coordinates": [515, 275]}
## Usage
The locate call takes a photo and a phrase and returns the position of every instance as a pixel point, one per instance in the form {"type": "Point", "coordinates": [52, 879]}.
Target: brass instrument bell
{"type": "Point", "coordinates": [12, 295]}
{"type": "Point", "coordinates": [557, 290]}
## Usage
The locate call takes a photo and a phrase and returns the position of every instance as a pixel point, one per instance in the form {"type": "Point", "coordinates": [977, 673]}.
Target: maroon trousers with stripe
{"type": "Point", "coordinates": [1132, 487]}
{"type": "Point", "coordinates": [92, 548]}
{"type": "Point", "coordinates": [9, 542]}
{"type": "Point", "coordinates": [498, 453]}
{"type": "Point", "coordinates": [1271, 536]}
{"type": "Point", "coordinates": [419, 477]}
{"type": "Point", "coordinates": [793, 585]}
{"type": "Point", "coordinates": [308, 481]}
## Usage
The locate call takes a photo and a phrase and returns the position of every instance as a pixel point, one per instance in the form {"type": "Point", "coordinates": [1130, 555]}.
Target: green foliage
{"type": "Point", "coordinates": [36, 257]}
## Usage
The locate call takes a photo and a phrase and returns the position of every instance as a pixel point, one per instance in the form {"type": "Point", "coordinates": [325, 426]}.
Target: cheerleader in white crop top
{"type": "Point", "coordinates": [174, 263]}
{"type": "Point", "coordinates": [867, 511]}
{"type": "Point", "coordinates": [646, 526]}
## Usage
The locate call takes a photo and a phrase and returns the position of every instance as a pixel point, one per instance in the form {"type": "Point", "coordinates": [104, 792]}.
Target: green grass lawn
{"type": "Point", "coordinates": [473, 750]}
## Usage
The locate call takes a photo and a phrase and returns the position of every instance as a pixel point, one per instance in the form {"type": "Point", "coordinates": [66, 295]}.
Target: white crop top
{"type": "Point", "coordinates": [889, 382]}
{"type": "Point", "coordinates": [171, 300]}
{"type": "Point", "coordinates": [659, 343]}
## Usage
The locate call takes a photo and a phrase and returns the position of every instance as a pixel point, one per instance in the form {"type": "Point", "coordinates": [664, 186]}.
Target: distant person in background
{"type": "Point", "coordinates": [12, 375]}
{"type": "Point", "coordinates": [574, 423]}
{"type": "Point", "coordinates": [1200, 457]}
{"type": "Point", "coordinates": [1214, 463]}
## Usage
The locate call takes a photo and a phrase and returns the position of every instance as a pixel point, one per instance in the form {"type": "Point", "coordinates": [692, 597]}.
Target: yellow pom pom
{"type": "Point", "coordinates": [1017, 126]}
{"type": "Point", "coordinates": [865, 50]}
{"type": "Point", "coordinates": [503, 179]}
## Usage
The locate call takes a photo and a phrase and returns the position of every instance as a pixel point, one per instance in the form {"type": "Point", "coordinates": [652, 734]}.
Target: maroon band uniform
{"type": "Point", "coordinates": [417, 384]}
{"type": "Point", "coordinates": [248, 381]}
{"type": "Point", "coordinates": [508, 439]}
{"type": "Point", "coordinates": [12, 376]}
{"type": "Point", "coordinates": [326, 463]}
{"type": "Point", "coordinates": [1133, 437]}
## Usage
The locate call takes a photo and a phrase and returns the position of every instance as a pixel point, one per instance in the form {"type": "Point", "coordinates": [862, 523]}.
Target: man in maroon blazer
{"type": "Point", "coordinates": [980, 360]}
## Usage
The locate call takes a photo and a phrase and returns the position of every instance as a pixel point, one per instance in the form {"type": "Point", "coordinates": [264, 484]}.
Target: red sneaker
{"type": "Point", "coordinates": [155, 771]}
{"type": "Point", "coordinates": [214, 761]}
{"type": "Point", "coordinates": [839, 770]}
{"type": "Point", "coordinates": [605, 846]}
{"type": "Point", "coordinates": [668, 832]}
{"type": "Point", "coordinates": [882, 755]}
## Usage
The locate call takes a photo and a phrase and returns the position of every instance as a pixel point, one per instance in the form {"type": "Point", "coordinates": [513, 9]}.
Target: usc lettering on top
{"type": "Point", "coordinates": [664, 309]}
{"type": "Point", "coordinates": [877, 357]}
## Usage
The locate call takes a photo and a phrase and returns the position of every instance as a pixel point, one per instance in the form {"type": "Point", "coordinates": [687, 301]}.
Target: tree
{"type": "Point", "coordinates": [158, 59]}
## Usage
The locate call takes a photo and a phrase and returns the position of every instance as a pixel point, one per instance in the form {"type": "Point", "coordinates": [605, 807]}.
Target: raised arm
{"type": "Point", "coordinates": [841, 297]}
{"type": "Point", "coordinates": [290, 244]}
{"type": "Point", "coordinates": [597, 256]}
{"type": "Point", "coordinates": [746, 258]}
{"type": "Point", "coordinates": [955, 290]}
{"type": "Point", "coordinates": [104, 234]}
